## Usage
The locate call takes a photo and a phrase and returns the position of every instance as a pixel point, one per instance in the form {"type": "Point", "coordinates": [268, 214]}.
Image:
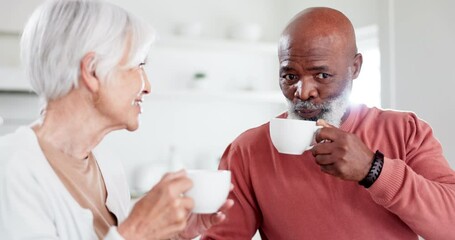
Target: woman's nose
{"type": "Point", "coordinates": [147, 88]}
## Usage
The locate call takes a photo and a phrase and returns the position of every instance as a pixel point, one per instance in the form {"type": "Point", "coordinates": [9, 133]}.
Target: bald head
{"type": "Point", "coordinates": [314, 25]}
{"type": "Point", "coordinates": [318, 61]}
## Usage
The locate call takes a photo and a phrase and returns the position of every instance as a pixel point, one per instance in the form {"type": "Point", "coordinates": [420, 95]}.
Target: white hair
{"type": "Point", "coordinates": [332, 111]}
{"type": "Point", "coordinates": [60, 32]}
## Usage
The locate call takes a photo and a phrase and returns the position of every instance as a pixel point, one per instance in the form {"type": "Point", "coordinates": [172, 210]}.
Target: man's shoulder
{"type": "Point", "coordinates": [381, 114]}
{"type": "Point", "coordinates": [255, 135]}
{"type": "Point", "coordinates": [388, 120]}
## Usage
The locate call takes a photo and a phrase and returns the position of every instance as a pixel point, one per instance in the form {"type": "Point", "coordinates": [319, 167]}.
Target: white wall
{"type": "Point", "coordinates": [14, 14]}
{"type": "Point", "coordinates": [215, 17]}
{"type": "Point", "coordinates": [418, 65]}
{"type": "Point", "coordinates": [362, 13]}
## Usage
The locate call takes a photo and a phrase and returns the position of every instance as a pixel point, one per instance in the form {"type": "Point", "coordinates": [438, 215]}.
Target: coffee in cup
{"type": "Point", "coordinates": [292, 136]}
{"type": "Point", "coordinates": [210, 189]}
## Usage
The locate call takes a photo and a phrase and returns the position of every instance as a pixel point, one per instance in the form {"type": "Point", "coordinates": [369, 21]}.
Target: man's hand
{"type": "Point", "coordinates": [199, 223]}
{"type": "Point", "coordinates": [341, 154]}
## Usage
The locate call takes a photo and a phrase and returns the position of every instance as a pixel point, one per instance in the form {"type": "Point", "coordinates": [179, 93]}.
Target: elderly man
{"type": "Point", "coordinates": [377, 175]}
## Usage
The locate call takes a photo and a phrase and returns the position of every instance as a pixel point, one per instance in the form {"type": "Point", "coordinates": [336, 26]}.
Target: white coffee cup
{"type": "Point", "coordinates": [292, 136]}
{"type": "Point", "coordinates": [210, 189]}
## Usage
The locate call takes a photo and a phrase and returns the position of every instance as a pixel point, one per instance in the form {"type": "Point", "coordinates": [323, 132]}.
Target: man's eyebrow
{"type": "Point", "coordinates": [318, 68]}
{"type": "Point", "coordinates": [286, 68]}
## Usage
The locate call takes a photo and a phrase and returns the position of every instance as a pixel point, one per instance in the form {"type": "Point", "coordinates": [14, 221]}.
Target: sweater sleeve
{"type": "Point", "coordinates": [23, 212]}
{"type": "Point", "coordinates": [419, 189]}
{"type": "Point", "coordinates": [243, 218]}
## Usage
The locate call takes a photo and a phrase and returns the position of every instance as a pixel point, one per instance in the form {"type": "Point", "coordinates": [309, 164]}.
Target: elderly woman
{"type": "Point", "coordinates": [85, 60]}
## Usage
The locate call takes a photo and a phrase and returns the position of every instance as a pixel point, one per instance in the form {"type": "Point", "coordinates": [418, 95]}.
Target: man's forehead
{"type": "Point", "coordinates": [310, 46]}
{"type": "Point", "coordinates": [302, 51]}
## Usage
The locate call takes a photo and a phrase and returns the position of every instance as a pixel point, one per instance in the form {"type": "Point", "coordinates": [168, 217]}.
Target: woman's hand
{"type": "Point", "coordinates": [199, 223]}
{"type": "Point", "coordinates": [162, 212]}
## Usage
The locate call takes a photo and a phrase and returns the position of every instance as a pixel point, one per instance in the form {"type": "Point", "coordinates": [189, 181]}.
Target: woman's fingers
{"type": "Point", "coordinates": [226, 205]}
{"type": "Point", "coordinates": [171, 175]}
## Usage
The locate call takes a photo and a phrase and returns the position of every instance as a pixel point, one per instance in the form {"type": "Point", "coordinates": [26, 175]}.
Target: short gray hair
{"type": "Point", "coordinates": [60, 32]}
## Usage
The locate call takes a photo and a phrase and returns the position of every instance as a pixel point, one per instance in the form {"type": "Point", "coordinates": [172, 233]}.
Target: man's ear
{"type": "Point", "coordinates": [358, 60]}
{"type": "Point", "coordinates": [88, 76]}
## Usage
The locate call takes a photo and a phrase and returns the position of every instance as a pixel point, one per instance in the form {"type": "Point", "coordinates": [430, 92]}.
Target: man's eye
{"type": "Point", "coordinates": [290, 77]}
{"type": "Point", "coordinates": [142, 64]}
{"type": "Point", "coordinates": [323, 75]}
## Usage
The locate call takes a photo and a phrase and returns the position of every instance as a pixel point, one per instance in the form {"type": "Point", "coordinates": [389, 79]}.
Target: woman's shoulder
{"type": "Point", "coordinates": [19, 152]}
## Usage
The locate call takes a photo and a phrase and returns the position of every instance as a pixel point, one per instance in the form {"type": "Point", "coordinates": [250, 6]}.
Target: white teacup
{"type": "Point", "coordinates": [210, 189]}
{"type": "Point", "coordinates": [292, 136]}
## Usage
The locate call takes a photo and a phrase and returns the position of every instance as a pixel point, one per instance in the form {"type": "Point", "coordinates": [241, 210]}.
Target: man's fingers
{"type": "Point", "coordinates": [322, 122]}
{"type": "Point", "coordinates": [323, 148]}
{"type": "Point", "coordinates": [327, 134]}
{"type": "Point", "coordinates": [324, 159]}
{"type": "Point", "coordinates": [329, 168]}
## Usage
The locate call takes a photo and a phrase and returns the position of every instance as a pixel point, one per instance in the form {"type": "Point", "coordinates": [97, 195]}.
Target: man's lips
{"type": "Point", "coordinates": [308, 113]}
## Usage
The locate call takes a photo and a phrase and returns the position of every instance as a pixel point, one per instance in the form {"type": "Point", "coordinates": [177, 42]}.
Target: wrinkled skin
{"type": "Point", "coordinates": [163, 213]}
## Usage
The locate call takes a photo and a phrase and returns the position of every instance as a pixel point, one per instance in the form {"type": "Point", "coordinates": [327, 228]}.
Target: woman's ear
{"type": "Point", "coordinates": [358, 60]}
{"type": "Point", "coordinates": [88, 76]}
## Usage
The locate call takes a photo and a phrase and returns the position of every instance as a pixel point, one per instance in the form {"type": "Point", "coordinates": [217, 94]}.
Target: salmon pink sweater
{"type": "Point", "coordinates": [288, 197]}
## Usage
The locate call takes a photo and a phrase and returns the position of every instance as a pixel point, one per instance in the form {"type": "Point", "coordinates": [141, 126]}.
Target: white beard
{"type": "Point", "coordinates": [332, 110]}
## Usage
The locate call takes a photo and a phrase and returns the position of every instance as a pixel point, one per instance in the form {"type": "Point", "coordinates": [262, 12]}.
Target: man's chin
{"type": "Point", "coordinates": [313, 115]}
{"type": "Point", "coordinates": [324, 115]}
{"type": "Point", "coordinates": [295, 115]}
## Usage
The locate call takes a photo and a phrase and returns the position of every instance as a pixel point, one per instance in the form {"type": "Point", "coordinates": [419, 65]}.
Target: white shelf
{"type": "Point", "coordinates": [226, 45]}
{"type": "Point", "coordinates": [13, 79]}
{"type": "Point", "coordinates": [214, 95]}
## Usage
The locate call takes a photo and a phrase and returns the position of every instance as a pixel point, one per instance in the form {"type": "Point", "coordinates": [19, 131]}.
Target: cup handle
{"type": "Point", "coordinates": [311, 146]}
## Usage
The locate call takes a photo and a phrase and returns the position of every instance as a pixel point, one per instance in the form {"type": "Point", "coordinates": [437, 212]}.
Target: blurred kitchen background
{"type": "Point", "coordinates": [214, 73]}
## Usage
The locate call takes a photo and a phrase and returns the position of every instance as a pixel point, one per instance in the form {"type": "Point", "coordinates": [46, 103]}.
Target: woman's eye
{"type": "Point", "coordinates": [290, 77]}
{"type": "Point", "coordinates": [322, 75]}
{"type": "Point", "coordinates": [142, 64]}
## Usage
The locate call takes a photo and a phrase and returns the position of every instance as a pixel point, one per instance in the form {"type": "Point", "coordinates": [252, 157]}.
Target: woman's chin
{"type": "Point", "coordinates": [132, 127]}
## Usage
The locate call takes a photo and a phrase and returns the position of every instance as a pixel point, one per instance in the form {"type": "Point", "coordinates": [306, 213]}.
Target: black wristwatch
{"type": "Point", "coordinates": [375, 170]}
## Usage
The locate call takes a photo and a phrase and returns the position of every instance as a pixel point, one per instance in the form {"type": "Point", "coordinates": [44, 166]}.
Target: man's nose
{"type": "Point", "coordinates": [306, 89]}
